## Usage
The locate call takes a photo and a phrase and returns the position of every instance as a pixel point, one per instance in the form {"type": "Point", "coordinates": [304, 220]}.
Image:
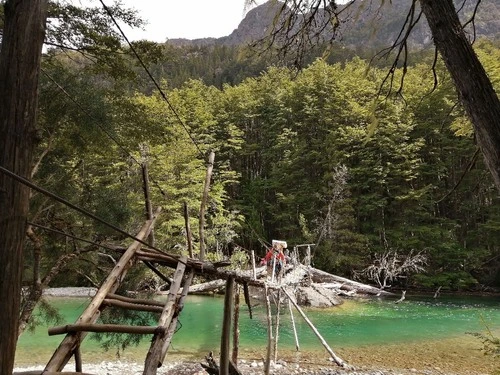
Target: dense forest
{"type": "Point", "coordinates": [312, 156]}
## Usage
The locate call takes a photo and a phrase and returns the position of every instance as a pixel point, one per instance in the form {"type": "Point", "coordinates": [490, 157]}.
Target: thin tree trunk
{"type": "Point", "coordinates": [188, 230]}
{"type": "Point", "coordinates": [22, 40]}
{"type": "Point", "coordinates": [203, 205]}
{"type": "Point", "coordinates": [473, 85]}
{"type": "Point", "coordinates": [147, 199]}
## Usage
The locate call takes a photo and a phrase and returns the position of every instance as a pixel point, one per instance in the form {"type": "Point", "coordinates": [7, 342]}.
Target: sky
{"type": "Point", "coordinates": [188, 19]}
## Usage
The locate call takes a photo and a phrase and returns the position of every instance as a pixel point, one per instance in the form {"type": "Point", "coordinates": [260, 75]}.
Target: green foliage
{"type": "Point", "coordinates": [490, 342]}
{"type": "Point", "coordinates": [311, 157]}
{"type": "Point", "coordinates": [121, 341]}
{"type": "Point", "coordinates": [45, 314]}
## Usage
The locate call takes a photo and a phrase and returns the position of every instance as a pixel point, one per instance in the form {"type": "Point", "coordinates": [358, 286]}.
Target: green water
{"type": "Point", "coordinates": [366, 322]}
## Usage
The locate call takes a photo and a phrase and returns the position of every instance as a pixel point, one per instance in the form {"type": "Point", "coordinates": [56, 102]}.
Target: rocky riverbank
{"type": "Point", "coordinates": [248, 368]}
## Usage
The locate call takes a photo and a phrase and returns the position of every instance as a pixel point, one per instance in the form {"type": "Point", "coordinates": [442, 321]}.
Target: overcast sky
{"type": "Point", "coordinates": [189, 19]}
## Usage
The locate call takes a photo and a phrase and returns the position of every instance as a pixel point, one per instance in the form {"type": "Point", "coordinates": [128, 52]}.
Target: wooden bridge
{"type": "Point", "coordinates": [163, 331]}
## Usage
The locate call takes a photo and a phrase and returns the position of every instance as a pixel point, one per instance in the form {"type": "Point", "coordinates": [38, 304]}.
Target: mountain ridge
{"type": "Point", "coordinates": [361, 25]}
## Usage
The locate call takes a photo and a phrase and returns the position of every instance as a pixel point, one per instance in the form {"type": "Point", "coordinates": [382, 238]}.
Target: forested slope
{"type": "Point", "coordinates": [310, 157]}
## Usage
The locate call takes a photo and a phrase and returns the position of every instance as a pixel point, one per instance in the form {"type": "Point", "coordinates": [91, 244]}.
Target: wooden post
{"type": "Point", "coordinates": [247, 299]}
{"type": "Point", "coordinates": [189, 238]}
{"type": "Point", "coordinates": [339, 361]}
{"type": "Point", "coordinates": [276, 334]}
{"type": "Point", "coordinates": [274, 267]}
{"type": "Point", "coordinates": [153, 357]}
{"type": "Point", "coordinates": [236, 326]}
{"type": "Point", "coordinates": [173, 324]}
{"type": "Point", "coordinates": [226, 327]}
{"type": "Point", "coordinates": [253, 265]}
{"type": "Point", "coordinates": [204, 199]}
{"type": "Point", "coordinates": [91, 314]}
{"type": "Point", "coordinates": [78, 358]}
{"type": "Point", "coordinates": [293, 325]}
{"type": "Point", "coordinates": [267, 364]}
{"type": "Point", "coordinates": [147, 198]}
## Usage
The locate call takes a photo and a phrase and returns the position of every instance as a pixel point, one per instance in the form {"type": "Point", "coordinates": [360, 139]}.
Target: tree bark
{"type": "Point", "coordinates": [22, 40]}
{"type": "Point", "coordinates": [473, 85]}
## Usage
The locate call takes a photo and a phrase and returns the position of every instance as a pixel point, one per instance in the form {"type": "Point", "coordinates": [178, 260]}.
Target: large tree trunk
{"type": "Point", "coordinates": [23, 35]}
{"type": "Point", "coordinates": [473, 85]}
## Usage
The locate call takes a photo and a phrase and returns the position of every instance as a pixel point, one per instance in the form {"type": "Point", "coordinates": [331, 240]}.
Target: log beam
{"type": "Point", "coordinates": [153, 357]}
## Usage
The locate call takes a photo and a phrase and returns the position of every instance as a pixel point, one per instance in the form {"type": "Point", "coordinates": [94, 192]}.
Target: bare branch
{"type": "Point", "coordinates": [391, 266]}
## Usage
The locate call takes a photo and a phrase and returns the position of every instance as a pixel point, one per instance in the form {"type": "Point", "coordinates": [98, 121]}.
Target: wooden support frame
{"type": "Point", "coordinates": [69, 344]}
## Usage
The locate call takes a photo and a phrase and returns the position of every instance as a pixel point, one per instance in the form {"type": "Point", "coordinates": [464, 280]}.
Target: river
{"type": "Point", "coordinates": [419, 333]}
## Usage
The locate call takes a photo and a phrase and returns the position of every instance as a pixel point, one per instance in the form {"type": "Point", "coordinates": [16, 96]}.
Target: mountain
{"type": "Point", "coordinates": [373, 23]}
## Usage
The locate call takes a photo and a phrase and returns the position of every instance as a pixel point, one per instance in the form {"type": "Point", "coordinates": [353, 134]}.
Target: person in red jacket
{"type": "Point", "coordinates": [275, 253]}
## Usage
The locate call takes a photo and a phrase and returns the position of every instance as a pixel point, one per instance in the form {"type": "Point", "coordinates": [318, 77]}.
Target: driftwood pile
{"type": "Point", "coordinates": [311, 287]}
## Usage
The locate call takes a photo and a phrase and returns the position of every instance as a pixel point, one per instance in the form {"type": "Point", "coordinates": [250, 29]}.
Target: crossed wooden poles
{"type": "Point", "coordinates": [169, 311]}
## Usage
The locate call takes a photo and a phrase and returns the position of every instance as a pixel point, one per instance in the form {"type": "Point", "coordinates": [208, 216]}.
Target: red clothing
{"type": "Point", "coordinates": [280, 257]}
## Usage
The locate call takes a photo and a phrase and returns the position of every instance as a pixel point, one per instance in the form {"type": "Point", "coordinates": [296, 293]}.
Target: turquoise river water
{"type": "Point", "coordinates": [369, 330]}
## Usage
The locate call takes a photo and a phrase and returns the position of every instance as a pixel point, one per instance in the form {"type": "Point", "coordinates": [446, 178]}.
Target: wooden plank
{"type": "Point", "coordinates": [112, 328]}
{"type": "Point", "coordinates": [65, 350]}
{"type": "Point", "coordinates": [153, 357]}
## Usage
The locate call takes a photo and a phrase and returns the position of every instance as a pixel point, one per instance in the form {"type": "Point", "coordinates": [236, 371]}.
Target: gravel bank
{"type": "Point", "coordinates": [70, 292]}
{"type": "Point", "coordinates": [246, 367]}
